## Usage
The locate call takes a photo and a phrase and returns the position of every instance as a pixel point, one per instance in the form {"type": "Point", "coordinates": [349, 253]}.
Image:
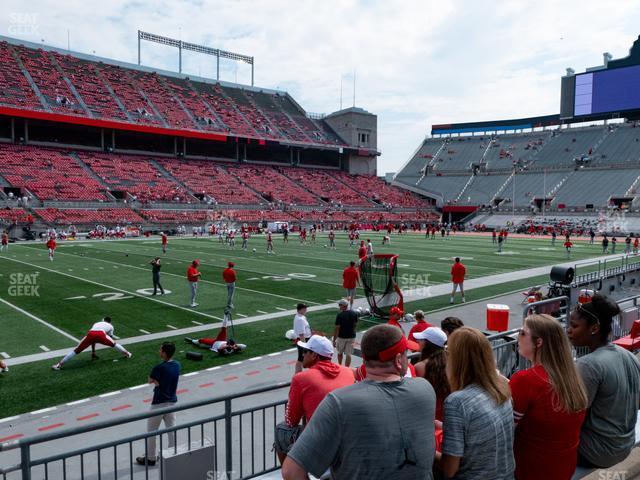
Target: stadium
{"type": "Point", "coordinates": [221, 239]}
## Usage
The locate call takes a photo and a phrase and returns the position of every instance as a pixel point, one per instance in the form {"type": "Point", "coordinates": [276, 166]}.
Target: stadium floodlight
{"type": "Point", "coordinates": [180, 45]}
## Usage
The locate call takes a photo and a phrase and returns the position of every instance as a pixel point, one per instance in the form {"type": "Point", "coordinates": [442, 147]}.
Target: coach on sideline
{"type": "Point", "coordinates": [399, 444]}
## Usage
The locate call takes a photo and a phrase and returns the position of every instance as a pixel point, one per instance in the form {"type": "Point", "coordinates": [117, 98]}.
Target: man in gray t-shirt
{"type": "Point", "coordinates": [381, 428]}
{"type": "Point", "coordinates": [612, 378]}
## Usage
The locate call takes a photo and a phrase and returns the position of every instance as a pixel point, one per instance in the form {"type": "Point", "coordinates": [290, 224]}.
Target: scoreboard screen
{"type": "Point", "coordinates": [601, 91]}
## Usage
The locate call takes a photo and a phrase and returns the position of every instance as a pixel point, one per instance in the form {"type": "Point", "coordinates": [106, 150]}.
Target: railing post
{"type": "Point", "coordinates": [25, 461]}
{"type": "Point", "coordinates": [227, 438]}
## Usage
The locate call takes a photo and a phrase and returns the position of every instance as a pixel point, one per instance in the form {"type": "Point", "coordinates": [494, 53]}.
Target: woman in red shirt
{"type": "Point", "coordinates": [549, 403]}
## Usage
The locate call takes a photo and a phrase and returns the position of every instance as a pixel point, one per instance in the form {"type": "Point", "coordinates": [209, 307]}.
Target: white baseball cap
{"type": "Point", "coordinates": [434, 335]}
{"type": "Point", "coordinates": [318, 344]}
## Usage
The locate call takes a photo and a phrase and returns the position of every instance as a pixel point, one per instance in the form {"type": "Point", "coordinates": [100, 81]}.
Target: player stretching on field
{"type": "Point", "coordinates": [51, 245]}
{"type": "Point", "coordinates": [101, 333]}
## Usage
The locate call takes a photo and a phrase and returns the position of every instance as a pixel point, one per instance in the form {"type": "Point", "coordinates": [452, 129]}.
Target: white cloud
{"type": "Point", "coordinates": [418, 62]}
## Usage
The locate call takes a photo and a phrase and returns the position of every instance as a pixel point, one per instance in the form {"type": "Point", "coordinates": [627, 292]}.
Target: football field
{"type": "Point", "coordinates": [46, 306]}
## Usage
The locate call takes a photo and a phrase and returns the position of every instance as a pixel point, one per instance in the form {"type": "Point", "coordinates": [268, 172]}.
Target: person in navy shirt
{"type": "Point", "coordinates": [165, 378]}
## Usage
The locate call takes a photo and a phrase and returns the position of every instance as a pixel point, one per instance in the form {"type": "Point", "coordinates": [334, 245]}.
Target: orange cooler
{"type": "Point", "coordinates": [497, 317]}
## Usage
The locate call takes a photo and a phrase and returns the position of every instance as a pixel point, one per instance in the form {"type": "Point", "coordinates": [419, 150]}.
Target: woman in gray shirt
{"type": "Point", "coordinates": [611, 376]}
{"type": "Point", "coordinates": [478, 418]}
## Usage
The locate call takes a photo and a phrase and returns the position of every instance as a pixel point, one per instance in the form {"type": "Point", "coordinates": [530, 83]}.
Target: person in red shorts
{"type": "Point", "coordinates": [350, 279]}
{"type": "Point", "coordinates": [549, 403]}
{"type": "Point", "coordinates": [51, 245]}
{"type": "Point", "coordinates": [421, 325]}
{"type": "Point", "coordinates": [458, 271]}
{"type": "Point", "coordinates": [100, 332]}
{"type": "Point", "coordinates": [164, 242]}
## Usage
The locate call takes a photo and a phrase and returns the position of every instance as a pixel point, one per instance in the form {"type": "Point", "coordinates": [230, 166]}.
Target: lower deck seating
{"type": "Point", "coordinates": [77, 216]}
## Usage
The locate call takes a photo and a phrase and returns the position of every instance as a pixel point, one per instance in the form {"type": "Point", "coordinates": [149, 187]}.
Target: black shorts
{"type": "Point", "coordinates": [301, 350]}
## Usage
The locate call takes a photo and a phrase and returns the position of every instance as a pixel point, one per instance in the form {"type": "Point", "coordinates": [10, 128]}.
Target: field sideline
{"type": "Point", "coordinates": [90, 279]}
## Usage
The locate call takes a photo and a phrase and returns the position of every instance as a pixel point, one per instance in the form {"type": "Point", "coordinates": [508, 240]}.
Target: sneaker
{"type": "Point", "coordinates": [128, 355]}
{"type": "Point", "coordinates": [145, 461]}
{"type": "Point", "coordinates": [193, 305]}
{"type": "Point", "coordinates": [5, 369]}
{"type": "Point", "coordinates": [451, 301]}
{"type": "Point", "coordinates": [57, 366]}
{"type": "Point", "coordinates": [463, 300]}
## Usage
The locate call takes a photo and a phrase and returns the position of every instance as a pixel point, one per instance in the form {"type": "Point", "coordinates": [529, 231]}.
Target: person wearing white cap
{"type": "Point", "coordinates": [308, 389]}
{"type": "Point", "coordinates": [432, 364]}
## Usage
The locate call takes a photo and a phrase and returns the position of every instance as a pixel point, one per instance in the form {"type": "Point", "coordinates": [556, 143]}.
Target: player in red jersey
{"type": "Point", "coordinates": [5, 242]}
{"type": "Point", "coordinates": [269, 243]}
{"type": "Point", "coordinates": [51, 245]}
{"type": "Point", "coordinates": [101, 332]}
{"type": "Point", "coordinates": [568, 245]}
{"type": "Point", "coordinates": [362, 251]}
{"type": "Point", "coordinates": [245, 240]}
{"type": "Point", "coordinates": [164, 240]}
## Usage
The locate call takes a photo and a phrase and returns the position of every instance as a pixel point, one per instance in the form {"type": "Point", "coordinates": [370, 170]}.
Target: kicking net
{"type": "Point", "coordinates": [379, 275]}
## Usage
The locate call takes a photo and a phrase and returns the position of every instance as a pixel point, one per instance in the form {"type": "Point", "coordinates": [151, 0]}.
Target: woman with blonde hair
{"type": "Point", "coordinates": [549, 403]}
{"type": "Point", "coordinates": [478, 418]}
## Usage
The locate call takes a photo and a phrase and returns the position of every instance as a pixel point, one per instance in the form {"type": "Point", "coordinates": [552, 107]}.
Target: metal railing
{"type": "Point", "coordinates": [242, 439]}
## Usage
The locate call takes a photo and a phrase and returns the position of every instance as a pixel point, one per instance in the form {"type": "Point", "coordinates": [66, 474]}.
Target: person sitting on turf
{"type": "Point", "coordinates": [223, 347]}
{"type": "Point", "coordinates": [220, 344]}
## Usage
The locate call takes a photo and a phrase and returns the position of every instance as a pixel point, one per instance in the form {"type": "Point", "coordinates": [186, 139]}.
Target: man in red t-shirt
{"type": "Point", "coordinates": [309, 388]}
{"type": "Point", "coordinates": [229, 277]}
{"type": "Point", "coordinates": [51, 245]}
{"type": "Point", "coordinates": [350, 279]}
{"type": "Point", "coordinates": [362, 251]}
{"type": "Point", "coordinates": [420, 326]}
{"type": "Point", "coordinates": [458, 271]}
{"type": "Point", "coordinates": [164, 242]}
{"type": "Point", "coordinates": [193, 276]}
{"type": "Point", "coordinates": [5, 242]}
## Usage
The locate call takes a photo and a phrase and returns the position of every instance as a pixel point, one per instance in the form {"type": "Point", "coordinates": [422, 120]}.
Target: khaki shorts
{"type": "Point", "coordinates": [344, 345]}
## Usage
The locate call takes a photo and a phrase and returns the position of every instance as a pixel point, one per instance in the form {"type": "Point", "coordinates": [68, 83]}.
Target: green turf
{"type": "Point", "coordinates": [116, 270]}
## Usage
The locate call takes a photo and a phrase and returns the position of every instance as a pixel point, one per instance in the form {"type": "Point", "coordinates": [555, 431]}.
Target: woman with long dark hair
{"type": "Point", "coordinates": [611, 376]}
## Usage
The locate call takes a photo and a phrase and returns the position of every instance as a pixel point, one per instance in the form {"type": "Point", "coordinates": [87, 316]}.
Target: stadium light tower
{"type": "Point", "coordinates": [180, 45]}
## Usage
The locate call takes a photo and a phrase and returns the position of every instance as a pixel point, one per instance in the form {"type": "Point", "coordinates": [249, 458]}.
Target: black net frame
{"type": "Point", "coordinates": [379, 276]}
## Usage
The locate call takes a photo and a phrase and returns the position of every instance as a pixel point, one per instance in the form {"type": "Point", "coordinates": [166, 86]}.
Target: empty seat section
{"type": "Point", "coordinates": [135, 175]}
{"type": "Point", "coordinates": [48, 173]}
{"type": "Point", "coordinates": [212, 180]}
{"type": "Point", "coordinates": [78, 216]}
{"type": "Point", "coordinates": [323, 184]}
{"type": "Point", "coordinates": [15, 90]}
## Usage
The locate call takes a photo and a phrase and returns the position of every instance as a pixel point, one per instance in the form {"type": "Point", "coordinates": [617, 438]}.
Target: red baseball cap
{"type": "Point", "coordinates": [196, 262]}
{"type": "Point", "coordinates": [396, 311]}
{"type": "Point", "coordinates": [230, 264]}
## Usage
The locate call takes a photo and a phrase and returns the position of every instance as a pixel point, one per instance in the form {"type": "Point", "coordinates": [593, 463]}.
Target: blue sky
{"type": "Point", "coordinates": [417, 62]}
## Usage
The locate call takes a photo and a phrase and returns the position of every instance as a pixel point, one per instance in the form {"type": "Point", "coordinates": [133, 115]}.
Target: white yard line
{"type": "Point", "coordinates": [33, 317]}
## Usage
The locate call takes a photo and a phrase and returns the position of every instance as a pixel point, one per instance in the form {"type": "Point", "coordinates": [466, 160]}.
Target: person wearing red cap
{"type": "Point", "coordinates": [350, 280]}
{"type": "Point", "coordinates": [193, 276]}
{"type": "Point", "coordinates": [163, 237]}
{"type": "Point", "coordinates": [395, 314]}
{"type": "Point", "coordinates": [362, 251]}
{"type": "Point", "coordinates": [229, 277]}
{"type": "Point", "coordinates": [458, 271]}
